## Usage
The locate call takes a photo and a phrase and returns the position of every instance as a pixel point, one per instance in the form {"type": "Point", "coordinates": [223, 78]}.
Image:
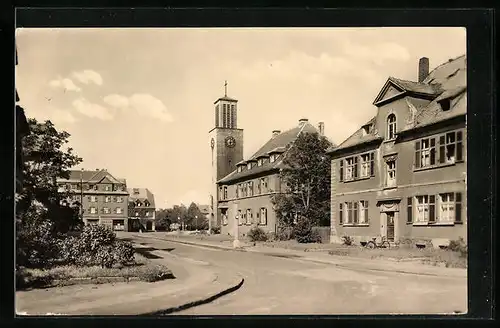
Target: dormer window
{"type": "Point", "coordinates": [391, 127]}
{"type": "Point", "coordinates": [259, 162]}
{"type": "Point", "coordinates": [249, 166]}
{"type": "Point", "coordinates": [445, 104]}
{"type": "Point", "coordinates": [240, 168]}
{"type": "Point", "coordinates": [272, 158]}
{"type": "Point", "coordinates": [367, 129]}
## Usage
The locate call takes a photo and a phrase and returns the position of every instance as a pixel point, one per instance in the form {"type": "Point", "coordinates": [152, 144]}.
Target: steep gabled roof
{"type": "Point", "coordinates": [405, 86]}
{"type": "Point", "coordinates": [205, 209]}
{"type": "Point", "coordinates": [90, 176]}
{"type": "Point", "coordinates": [282, 140]}
{"type": "Point", "coordinates": [447, 81]}
{"type": "Point", "coordinates": [144, 194]}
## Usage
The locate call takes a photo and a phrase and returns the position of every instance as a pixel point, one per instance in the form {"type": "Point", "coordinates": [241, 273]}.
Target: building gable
{"type": "Point", "coordinates": [389, 90]}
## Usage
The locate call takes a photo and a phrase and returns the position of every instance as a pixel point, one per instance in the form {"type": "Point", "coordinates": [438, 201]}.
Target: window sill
{"type": "Point", "coordinates": [390, 187]}
{"type": "Point", "coordinates": [434, 223]}
{"type": "Point", "coordinates": [356, 179]}
{"type": "Point", "coordinates": [389, 140]}
{"type": "Point", "coordinates": [355, 224]}
{"type": "Point", "coordinates": [436, 166]}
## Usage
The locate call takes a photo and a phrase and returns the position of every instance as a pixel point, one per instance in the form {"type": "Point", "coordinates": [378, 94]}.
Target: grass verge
{"type": "Point", "coordinates": [142, 268]}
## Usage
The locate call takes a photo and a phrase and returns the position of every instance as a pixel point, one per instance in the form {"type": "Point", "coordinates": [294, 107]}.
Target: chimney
{"type": "Point", "coordinates": [423, 68]}
{"type": "Point", "coordinates": [276, 132]}
{"type": "Point", "coordinates": [303, 121]}
{"type": "Point", "coordinates": [321, 128]}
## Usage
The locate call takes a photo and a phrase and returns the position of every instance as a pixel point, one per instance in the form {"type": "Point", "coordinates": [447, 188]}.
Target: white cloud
{"type": "Point", "coordinates": [92, 110]}
{"type": "Point", "coordinates": [196, 196]}
{"type": "Point", "coordinates": [143, 104]}
{"type": "Point", "coordinates": [55, 115]}
{"type": "Point", "coordinates": [117, 101]}
{"type": "Point", "coordinates": [87, 76]}
{"type": "Point", "coordinates": [378, 53]}
{"type": "Point", "coordinates": [66, 84]}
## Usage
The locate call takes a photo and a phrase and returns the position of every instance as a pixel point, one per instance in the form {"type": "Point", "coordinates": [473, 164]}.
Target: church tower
{"type": "Point", "coordinates": [226, 142]}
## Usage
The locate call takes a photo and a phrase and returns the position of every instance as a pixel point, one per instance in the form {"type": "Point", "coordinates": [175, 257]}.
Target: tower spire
{"type": "Point", "coordinates": [225, 88]}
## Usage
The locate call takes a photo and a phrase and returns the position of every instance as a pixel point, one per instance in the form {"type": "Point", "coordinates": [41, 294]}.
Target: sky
{"type": "Point", "coordinates": [139, 102]}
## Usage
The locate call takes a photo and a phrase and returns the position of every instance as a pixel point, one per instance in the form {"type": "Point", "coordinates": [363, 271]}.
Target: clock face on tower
{"type": "Point", "coordinates": [212, 143]}
{"type": "Point", "coordinates": [230, 142]}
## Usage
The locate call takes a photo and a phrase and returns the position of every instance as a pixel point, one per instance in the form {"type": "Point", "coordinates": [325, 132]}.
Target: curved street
{"type": "Point", "coordinates": [288, 286]}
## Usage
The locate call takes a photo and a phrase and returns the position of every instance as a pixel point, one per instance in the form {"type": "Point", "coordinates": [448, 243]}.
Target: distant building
{"type": "Point", "coordinates": [402, 175]}
{"type": "Point", "coordinates": [142, 211]}
{"type": "Point", "coordinates": [243, 188]}
{"type": "Point", "coordinates": [103, 197]}
{"type": "Point", "coordinates": [22, 129]}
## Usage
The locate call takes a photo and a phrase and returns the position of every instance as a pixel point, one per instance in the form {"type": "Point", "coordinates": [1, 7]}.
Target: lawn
{"type": "Point", "coordinates": [142, 268]}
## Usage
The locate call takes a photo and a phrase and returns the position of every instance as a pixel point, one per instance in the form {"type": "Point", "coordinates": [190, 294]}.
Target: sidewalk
{"type": "Point", "coordinates": [322, 257]}
{"type": "Point", "coordinates": [195, 282]}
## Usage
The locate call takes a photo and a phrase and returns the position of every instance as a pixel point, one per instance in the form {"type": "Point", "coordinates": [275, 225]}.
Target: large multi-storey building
{"type": "Point", "coordinates": [102, 197]}
{"type": "Point", "coordinates": [243, 188]}
{"type": "Point", "coordinates": [402, 175]}
{"type": "Point", "coordinates": [141, 209]}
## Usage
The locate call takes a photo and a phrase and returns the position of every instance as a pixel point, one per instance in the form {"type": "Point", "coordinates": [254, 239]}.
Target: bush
{"type": "Point", "coordinates": [257, 234]}
{"type": "Point", "coordinates": [215, 230]}
{"type": "Point", "coordinates": [36, 243]}
{"type": "Point", "coordinates": [458, 246]}
{"type": "Point", "coordinates": [347, 240]}
{"type": "Point", "coordinates": [304, 233]}
{"type": "Point", "coordinates": [285, 233]}
{"type": "Point", "coordinates": [96, 245]}
{"type": "Point", "coordinates": [155, 273]}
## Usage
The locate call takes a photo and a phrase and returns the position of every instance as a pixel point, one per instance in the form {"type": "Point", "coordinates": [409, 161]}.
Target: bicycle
{"type": "Point", "coordinates": [374, 243]}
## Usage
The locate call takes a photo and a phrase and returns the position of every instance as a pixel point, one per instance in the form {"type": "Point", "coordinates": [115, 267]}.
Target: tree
{"type": "Point", "coordinates": [306, 174]}
{"type": "Point", "coordinates": [39, 213]}
{"type": "Point", "coordinates": [196, 218]}
{"type": "Point", "coordinates": [163, 219]}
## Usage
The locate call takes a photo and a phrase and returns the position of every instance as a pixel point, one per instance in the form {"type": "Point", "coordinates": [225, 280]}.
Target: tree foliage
{"type": "Point", "coordinates": [40, 217]}
{"type": "Point", "coordinates": [307, 177]}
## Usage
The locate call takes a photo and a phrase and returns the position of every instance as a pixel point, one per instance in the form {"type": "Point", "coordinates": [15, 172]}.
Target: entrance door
{"type": "Point", "coordinates": [149, 226]}
{"type": "Point", "coordinates": [390, 226]}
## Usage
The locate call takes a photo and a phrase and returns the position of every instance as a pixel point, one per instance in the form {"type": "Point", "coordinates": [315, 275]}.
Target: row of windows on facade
{"type": "Point", "coordinates": [104, 187]}
{"type": "Point", "coordinates": [228, 116]}
{"type": "Point", "coordinates": [94, 199]}
{"type": "Point", "coordinates": [260, 161]}
{"type": "Point", "coordinates": [246, 217]}
{"type": "Point", "coordinates": [246, 189]}
{"type": "Point", "coordinates": [107, 210]}
{"type": "Point", "coordinates": [442, 208]}
{"type": "Point", "coordinates": [450, 147]}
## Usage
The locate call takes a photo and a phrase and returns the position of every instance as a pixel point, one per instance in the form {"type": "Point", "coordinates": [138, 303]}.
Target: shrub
{"type": "Point", "coordinates": [285, 233]}
{"type": "Point", "coordinates": [123, 252]}
{"type": "Point", "coordinates": [304, 233]}
{"type": "Point", "coordinates": [458, 246]}
{"type": "Point", "coordinates": [155, 273]}
{"type": "Point", "coordinates": [215, 230]}
{"type": "Point", "coordinates": [257, 234]}
{"type": "Point", "coordinates": [347, 240]}
{"type": "Point", "coordinates": [36, 243]}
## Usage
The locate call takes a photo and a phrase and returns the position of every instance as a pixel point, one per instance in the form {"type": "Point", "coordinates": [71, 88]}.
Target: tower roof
{"type": "Point", "coordinates": [226, 98]}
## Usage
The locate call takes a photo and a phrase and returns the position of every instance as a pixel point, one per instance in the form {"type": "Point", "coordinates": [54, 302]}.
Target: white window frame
{"type": "Point", "coordinates": [93, 210]}
{"type": "Point", "coordinates": [450, 144]}
{"type": "Point", "coordinates": [425, 153]}
{"type": "Point", "coordinates": [349, 169]}
{"type": "Point", "coordinates": [272, 158]}
{"type": "Point", "coordinates": [365, 165]}
{"type": "Point", "coordinates": [225, 192]}
{"type": "Point", "coordinates": [107, 199]}
{"type": "Point", "coordinates": [391, 126]}
{"type": "Point", "coordinates": [362, 209]}
{"type": "Point", "coordinates": [390, 173]}
{"type": "Point", "coordinates": [250, 188]}
{"type": "Point", "coordinates": [259, 162]}
{"type": "Point", "coordinates": [118, 210]}
{"type": "Point", "coordinates": [263, 216]}
{"type": "Point", "coordinates": [93, 199]}
{"type": "Point", "coordinates": [119, 199]}
{"type": "Point", "coordinates": [249, 216]}
{"type": "Point", "coordinates": [422, 209]}
{"type": "Point", "coordinates": [107, 188]}
{"type": "Point", "coordinates": [106, 210]}
{"type": "Point", "coordinates": [249, 166]}
{"type": "Point", "coordinates": [446, 208]}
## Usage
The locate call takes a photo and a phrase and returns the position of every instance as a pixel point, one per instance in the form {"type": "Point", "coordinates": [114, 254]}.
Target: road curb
{"type": "Point", "coordinates": [241, 249]}
{"type": "Point", "coordinates": [189, 305]}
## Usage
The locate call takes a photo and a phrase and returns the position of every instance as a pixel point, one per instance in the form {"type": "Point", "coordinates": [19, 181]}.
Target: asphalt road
{"type": "Point", "coordinates": [288, 286]}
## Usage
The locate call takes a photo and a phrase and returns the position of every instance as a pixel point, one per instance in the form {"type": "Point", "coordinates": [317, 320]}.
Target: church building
{"type": "Point", "coordinates": [242, 189]}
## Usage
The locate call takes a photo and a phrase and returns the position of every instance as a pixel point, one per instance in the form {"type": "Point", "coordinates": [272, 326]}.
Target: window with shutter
{"type": "Point", "coordinates": [458, 207]}
{"type": "Point", "coordinates": [355, 215]}
{"type": "Point", "coordinates": [355, 167]}
{"type": "Point", "coordinates": [341, 170]}
{"type": "Point", "coordinates": [367, 218]}
{"type": "Point", "coordinates": [442, 149]}
{"type": "Point", "coordinates": [432, 208]}
{"type": "Point", "coordinates": [372, 165]}
{"type": "Point", "coordinates": [433, 151]}
{"type": "Point", "coordinates": [409, 213]}
{"type": "Point", "coordinates": [459, 146]}
{"type": "Point", "coordinates": [417, 154]}
{"type": "Point", "coordinates": [341, 217]}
